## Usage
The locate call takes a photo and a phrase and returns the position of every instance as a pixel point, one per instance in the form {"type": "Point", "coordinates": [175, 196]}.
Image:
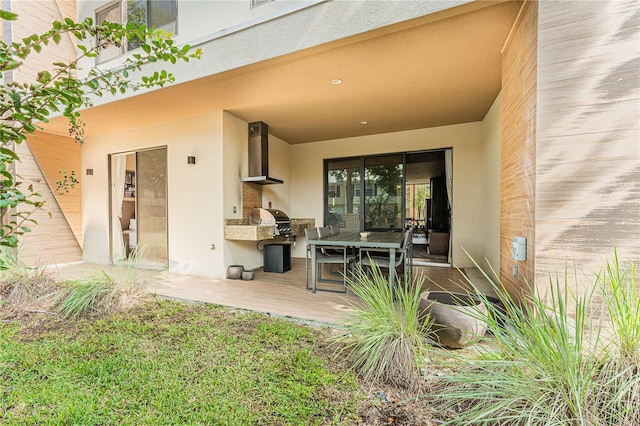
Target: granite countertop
{"type": "Point", "coordinates": [242, 230]}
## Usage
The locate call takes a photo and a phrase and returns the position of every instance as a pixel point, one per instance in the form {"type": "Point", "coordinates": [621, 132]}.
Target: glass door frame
{"type": "Point", "coordinates": [361, 160]}
{"type": "Point", "coordinates": [110, 197]}
{"type": "Point", "coordinates": [362, 188]}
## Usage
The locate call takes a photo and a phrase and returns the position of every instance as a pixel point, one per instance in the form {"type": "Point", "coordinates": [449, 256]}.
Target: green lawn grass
{"type": "Point", "coordinates": [169, 363]}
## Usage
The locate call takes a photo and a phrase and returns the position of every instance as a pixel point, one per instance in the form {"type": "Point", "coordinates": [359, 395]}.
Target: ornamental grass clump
{"type": "Point", "coordinates": [622, 299]}
{"type": "Point", "coordinates": [385, 337]}
{"type": "Point", "coordinates": [550, 363]}
{"type": "Point", "coordinates": [619, 394]}
{"type": "Point", "coordinates": [19, 284]}
{"type": "Point", "coordinates": [98, 294]}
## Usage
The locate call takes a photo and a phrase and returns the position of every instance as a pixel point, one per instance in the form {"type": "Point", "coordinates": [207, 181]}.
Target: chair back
{"type": "Point", "coordinates": [324, 231]}
{"type": "Point", "coordinates": [406, 243]}
{"type": "Point", "coordinates": [311, 233]}
{"type": "Point", "coordinates": [406, 240]}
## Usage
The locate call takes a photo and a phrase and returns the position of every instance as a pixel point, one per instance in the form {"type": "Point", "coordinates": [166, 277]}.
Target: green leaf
{"type": "Point", "coordinates": [8, 152]}
{"type": "Point", "coordinates": [44, 77]}
{"type": "Point", "coordinates": [8, 16]}
{"type": "Point", "coordinates": [57, 38]}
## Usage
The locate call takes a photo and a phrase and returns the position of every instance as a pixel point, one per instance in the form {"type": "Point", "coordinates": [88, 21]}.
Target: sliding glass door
{"type": "Point", "coordinates": [391, 192]}
{"type": "Point", "coordinates": [342, 201]}
{"type": "Point", "coordinates": [139, 207]}
{"type": "Point", "coordinates": [152, 205]}
{"type": "Point", "coordinates": [383, 194]}
{"type": "Point", "coordinates": [372, 203]}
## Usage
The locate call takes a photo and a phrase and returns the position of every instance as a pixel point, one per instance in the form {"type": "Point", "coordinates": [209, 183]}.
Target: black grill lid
{"type": "Point", "coordinates": [268, 216]}
{"type": "Point", "coordinates": [279, 215]}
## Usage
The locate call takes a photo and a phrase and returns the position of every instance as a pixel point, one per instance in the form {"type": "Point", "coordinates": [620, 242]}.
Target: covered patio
{"type": "Point", "coordinates": [282, 295]}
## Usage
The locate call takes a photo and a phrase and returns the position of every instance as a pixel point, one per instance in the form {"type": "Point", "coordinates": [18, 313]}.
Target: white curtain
{"type": "Point", "coordinates": [448, 172]}
{"type": "Point", "coordinates": [118, 173]}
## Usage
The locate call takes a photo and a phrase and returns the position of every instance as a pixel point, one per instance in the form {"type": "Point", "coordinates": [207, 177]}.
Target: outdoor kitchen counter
{"type": "Point", "coordinates": [241, 230]}
{"type": "Point", "coordinates": [299, 225]}
{"type": "Point", "coordinates": [248, 232]}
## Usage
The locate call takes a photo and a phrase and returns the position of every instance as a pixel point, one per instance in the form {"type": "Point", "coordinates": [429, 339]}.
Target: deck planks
{"type": "Point", "coordinates": [272, 293]}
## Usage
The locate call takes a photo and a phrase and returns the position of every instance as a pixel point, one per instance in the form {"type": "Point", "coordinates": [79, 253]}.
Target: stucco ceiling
{"type": "Point", "coordinates": [432, 71]}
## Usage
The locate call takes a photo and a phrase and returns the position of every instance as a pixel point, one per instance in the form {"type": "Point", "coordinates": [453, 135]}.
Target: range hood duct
{"type": "Point", "coordinates": [259, 155]}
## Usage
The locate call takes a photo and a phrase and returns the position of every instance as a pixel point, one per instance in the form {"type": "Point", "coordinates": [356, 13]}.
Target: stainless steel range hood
{"type": "Point", "coordinates": [259, 155]}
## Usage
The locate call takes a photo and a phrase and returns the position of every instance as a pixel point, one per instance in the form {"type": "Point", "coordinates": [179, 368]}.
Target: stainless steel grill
{"type": "Point", "coordinates": [275, 217]}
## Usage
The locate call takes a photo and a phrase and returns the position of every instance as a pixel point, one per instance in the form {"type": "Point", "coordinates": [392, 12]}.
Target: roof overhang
{"type": "Point", "coordinates": [436, 70]}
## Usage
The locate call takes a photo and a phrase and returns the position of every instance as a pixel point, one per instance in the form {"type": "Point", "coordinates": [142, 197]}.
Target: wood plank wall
{"type": "Point", "coordinates": [518, 148]}
{"type": "Point", "coordinates": [37, 17]}
{"type": "Point", "coordinates": [53, 154]}
{"type": "Point", "coordinates": [588, 143]}
{"type": "Point", "coordinates": [52, 240]}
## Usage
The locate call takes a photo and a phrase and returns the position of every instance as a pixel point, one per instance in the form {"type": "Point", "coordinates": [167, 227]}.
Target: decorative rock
{"type": "Point", "coordinates": [234, 272]}
{"type": "Point", "coordinates": [457, 317]}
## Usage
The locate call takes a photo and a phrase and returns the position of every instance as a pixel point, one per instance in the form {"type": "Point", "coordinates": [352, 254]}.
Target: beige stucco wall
{"type": "Point", "coordinates": [235, 167]}
{"type": "Point", "coordinates": [201, 196]}
{"type": "Point", "coordinates": [491, 173]}
{"type": "Point", "coordinates": [469, 204]}
{"type": "Point", "coordinates": [194, 191]}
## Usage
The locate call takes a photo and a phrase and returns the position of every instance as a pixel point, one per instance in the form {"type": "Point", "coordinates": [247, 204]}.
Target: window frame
{"type": "Point", "coordinates": [123, 5]}
{"type": "Point", "coordinates": [258, 3]}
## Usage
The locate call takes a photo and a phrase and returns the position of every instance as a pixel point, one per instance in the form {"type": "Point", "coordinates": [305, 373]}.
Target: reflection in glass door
{"type": "Point", "coordinates": [392, 192]}
{"type": "Point", "coordinates": [342, 202]}
{"type": "Point", "coordinates": [152, 205]}
{"type": "Point", "coordinates": [383, 197]}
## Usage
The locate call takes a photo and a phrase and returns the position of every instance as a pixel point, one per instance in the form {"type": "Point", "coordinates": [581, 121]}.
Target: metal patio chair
{"type": "Point", "coordinates": [341, 256]}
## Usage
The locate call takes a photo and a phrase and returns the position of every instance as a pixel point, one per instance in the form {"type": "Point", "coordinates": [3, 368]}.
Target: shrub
{"type": "Point", "coordinates": [384, 335]}
{"type": "Point", "coordinates": [547, 367]}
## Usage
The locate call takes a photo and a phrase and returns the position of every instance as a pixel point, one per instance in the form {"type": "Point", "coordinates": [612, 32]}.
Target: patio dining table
{"type": "Point", "coordinates": [391, 241]}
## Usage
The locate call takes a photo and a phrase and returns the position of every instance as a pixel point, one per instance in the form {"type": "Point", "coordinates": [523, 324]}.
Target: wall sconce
{"type": "Point", "coordinates": [191, 159]}
{"type": "Point", "coordinates": [89, 172]}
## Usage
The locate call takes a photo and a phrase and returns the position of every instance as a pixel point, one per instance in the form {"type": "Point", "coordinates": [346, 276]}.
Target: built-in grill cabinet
{"type": "Point", "coordinates": [277, 255]}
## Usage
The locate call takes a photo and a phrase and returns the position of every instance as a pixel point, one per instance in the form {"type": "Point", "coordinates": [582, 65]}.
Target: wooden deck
{"type": "Point", "coordinates": [273, 293]}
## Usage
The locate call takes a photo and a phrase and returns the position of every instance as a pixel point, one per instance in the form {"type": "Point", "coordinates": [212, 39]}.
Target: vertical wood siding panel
{"type": "Point", "coordinates": [517, 174]}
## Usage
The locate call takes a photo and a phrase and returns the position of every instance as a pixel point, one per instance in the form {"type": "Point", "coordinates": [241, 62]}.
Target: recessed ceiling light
{"type": "Point", "coordinates": [363, 122]}
{"type": "Point", "coordinates": [336, 81]}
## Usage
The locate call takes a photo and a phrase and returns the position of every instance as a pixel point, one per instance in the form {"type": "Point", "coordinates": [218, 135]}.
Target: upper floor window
{"type": "Point", "coordinates": [157, 14]}
{"type": "Point", "coordinates": [256, 3]}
